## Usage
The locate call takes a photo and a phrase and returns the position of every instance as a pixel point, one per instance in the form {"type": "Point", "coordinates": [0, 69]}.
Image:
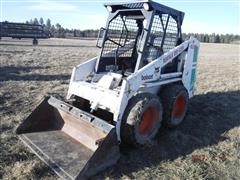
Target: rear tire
{"type": "Point", "coordinates": [141, 120]}
{"type": "Point", "coordinates": [175, 103]}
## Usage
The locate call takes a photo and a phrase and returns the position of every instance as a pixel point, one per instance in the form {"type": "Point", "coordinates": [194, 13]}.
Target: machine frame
{"type": "Point", "coordinates": [107, 94]}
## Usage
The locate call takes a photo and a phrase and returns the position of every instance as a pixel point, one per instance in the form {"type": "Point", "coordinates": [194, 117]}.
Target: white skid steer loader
{"type": "Point", "coordinates": [142, 78]}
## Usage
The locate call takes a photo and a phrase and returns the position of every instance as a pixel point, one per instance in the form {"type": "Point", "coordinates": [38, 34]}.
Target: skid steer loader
{"type": "Point", "coordinates": [142, 78]}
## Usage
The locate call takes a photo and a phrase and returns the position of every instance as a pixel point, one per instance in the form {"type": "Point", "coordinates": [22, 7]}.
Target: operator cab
{"type": "Point", "coordinates": [119, 52]}
{"type": "Point", "coordinates": [136, 34]}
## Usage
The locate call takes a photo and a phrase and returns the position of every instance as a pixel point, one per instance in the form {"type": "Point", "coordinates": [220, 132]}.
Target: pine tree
{"type": "Point", "coordinates": [35, 21]}
{"type": "Point", "coordinates": [41, 21]}
{"type": "Point", "coordinates": [217, 39]}
{"type": "Point", "coordinates": [48, 24]}
{"type": "Point", "coordinates": [52, 31]}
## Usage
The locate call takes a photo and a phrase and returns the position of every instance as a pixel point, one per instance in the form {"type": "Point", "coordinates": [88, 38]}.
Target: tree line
{"type": "Point", "coordinates": [60, 32]}
{"type": "Point", "coordinates": [214, 38]}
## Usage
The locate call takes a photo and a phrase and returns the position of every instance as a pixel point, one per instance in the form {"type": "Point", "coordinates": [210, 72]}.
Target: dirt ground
{"type": "Point", "coordinates": [205, 146]}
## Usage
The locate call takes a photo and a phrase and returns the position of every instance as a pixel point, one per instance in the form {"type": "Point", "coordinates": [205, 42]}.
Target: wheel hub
{"type": "Point", "coordinates": [179, 107]}
{"type": "Point", "coordinates": [148, 121]}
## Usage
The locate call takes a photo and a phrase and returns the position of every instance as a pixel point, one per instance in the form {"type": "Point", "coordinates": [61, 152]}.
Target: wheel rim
{"type": "Point", "coordinates": [148, 121]}
{"type": "Point", "coordinates": [179, 107]}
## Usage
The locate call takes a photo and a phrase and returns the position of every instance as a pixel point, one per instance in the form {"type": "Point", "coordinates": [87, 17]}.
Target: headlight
{"type": "Point", "coordinates": [109, 8]}
{"type": "Point", "coordinates": [146, 6]}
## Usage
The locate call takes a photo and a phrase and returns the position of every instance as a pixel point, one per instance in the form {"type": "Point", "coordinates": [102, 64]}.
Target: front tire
{"type": "Point", "coordinates": [141, 120]}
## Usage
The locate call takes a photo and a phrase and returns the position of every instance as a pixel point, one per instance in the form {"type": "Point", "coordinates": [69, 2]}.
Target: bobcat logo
{"type": "Point", "coordinates": [156, 69]}
{"type": "Point", "coordinates": [146, 77]}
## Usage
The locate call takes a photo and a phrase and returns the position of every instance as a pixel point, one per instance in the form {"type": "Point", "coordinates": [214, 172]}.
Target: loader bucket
{"type": "Point", "coordinates": [74, 143]}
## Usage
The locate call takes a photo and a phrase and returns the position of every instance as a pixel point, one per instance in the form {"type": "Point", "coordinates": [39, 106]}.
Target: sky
{"type": "Point", "coordinates": [201, 16]}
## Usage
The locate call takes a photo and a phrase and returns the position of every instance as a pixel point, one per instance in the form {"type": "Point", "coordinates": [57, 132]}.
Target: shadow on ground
{"type": "Point", "coordinates": [46, 45]}
{"type": "Point", "coordinates": [12, 52]}
{"type": "Point", "coordinates": [8, 73]}
{"type": "Point", "coordinates": [209, 116]}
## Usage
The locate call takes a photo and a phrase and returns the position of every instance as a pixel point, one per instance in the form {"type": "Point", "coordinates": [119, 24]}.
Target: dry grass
{"type": "Point", "coordinates": [205, 146]}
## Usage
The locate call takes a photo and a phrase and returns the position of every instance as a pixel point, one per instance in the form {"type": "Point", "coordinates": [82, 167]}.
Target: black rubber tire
{"type": "Point", "coordinates": [168, 96]}
{"type": "Point", "coordinates": [35, 41]}
{"type": "Point", "coordinates": [133, 116]}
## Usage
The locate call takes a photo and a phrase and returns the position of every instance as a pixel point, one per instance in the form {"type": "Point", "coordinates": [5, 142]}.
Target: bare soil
{"type": "Point", "coordinates": [205, 146]}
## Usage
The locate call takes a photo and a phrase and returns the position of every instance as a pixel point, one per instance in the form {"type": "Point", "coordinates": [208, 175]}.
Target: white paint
{"type": "Point", "coordinates": [106, 94]}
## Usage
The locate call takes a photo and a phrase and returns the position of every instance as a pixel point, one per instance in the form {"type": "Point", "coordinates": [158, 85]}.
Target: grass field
{"type": "Point", "coordinates": [205, 146]}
